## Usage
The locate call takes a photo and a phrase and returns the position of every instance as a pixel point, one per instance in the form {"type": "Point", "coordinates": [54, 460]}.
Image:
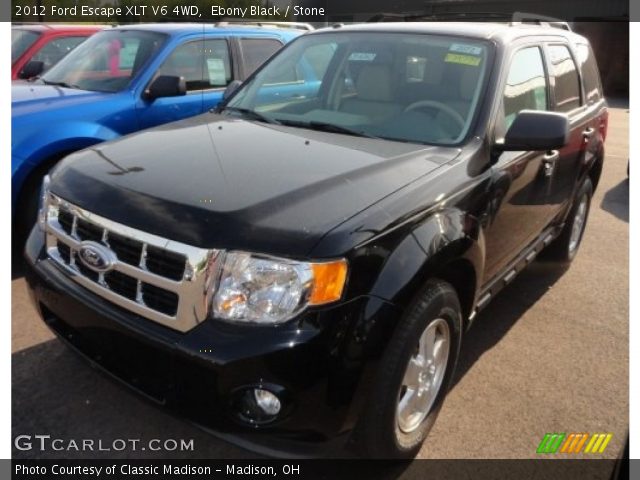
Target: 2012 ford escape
{"type": "Point", "coordinates": [295, 270]}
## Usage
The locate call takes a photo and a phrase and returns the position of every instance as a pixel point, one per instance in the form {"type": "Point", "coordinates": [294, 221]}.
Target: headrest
{"type": "Point", "coordinates": [374, 83]}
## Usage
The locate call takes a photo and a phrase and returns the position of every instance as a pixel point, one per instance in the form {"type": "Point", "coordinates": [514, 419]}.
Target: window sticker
{"type": "Point", "coordinates": [463, 59]}
{"type": "Point", "coordinates": [217, 73]}
{"type": "Point", "coordinates": [468, 49]}
{"type": "Point", "coordinates": [362, 56]}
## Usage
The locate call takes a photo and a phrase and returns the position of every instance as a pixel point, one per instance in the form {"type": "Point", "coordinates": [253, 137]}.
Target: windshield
{"type": "Point", "coordinates": [106, 62]}
{"type": "Point", "coordinates": [405, 87]}
{"type": "Point", "coordinates": [20, 41]}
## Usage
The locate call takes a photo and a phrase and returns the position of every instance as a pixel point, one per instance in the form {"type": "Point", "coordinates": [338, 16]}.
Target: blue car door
{"type": "Point", "coordinates": [206, 67]}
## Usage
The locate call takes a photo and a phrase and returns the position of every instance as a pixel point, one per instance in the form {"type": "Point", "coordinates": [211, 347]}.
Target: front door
{"type": "Point", "coordinates": [205, 65]}
{"type": "Point", "coordinates": [521, 180]}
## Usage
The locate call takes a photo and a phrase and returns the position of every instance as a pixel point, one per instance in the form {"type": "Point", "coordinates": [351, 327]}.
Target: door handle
{"type": "Point", "coordinates": [588, 133]}
{"type": "Point", "coordinates": [549, 162]}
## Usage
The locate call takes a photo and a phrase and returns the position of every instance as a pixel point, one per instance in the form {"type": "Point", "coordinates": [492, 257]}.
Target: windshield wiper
{"type": "Point", "coordinates": [59, 84]}
{"type": "Point", "coordinates": [327, 127]}
{"type": "Point", "coordinates": [252, 114]}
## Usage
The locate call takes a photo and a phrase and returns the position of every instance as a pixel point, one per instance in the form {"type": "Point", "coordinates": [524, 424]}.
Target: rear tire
{"type": "Point", "coordinates": [564, 248]}
{"type": "Point", "coordinates": [414, 375]}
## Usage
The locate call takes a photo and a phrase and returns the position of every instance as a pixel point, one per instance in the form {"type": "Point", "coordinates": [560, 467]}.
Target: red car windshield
{"type": "Point", "coordinates": [106, 62]}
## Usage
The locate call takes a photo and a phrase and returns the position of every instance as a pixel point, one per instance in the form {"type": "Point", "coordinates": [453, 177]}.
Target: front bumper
{"type": "Point", "coordinates": [320, 361]}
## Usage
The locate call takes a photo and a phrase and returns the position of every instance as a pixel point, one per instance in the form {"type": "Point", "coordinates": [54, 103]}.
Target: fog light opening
{"type": "Point", "coordinates": [259, 406]}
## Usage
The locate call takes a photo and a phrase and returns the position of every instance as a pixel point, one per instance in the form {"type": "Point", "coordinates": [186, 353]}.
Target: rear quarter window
{"type": "Point", "coordinates": [590, 72]}
{"type": "Point", "coordinates": [567, 81]}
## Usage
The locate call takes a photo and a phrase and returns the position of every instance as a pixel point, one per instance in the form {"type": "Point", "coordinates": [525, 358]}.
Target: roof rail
{"type": "Point", "coordinates": [520, 18]}
{"type": "Point", "coordinates": [265, 23]}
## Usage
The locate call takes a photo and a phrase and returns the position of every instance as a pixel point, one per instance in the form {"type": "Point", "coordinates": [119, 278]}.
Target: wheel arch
{"type": "Point", "coordinates": [449, 246]}
{"type": "Point", "coordinates": [45, 158]}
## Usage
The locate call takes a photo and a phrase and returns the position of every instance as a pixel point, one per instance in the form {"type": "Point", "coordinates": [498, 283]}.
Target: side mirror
{"type": "Point", "coordinates": [166, 86]}
{"type": "Point", "coordinates": [232, 87]}
{"type": "Point", "coordinates": [31, 69]}
{"type": "Point", "coordinates": [536, 130]}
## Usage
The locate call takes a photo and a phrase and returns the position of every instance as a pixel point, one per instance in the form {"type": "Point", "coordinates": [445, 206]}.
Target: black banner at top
{"type": "Point", "coordinates": [315, 11]}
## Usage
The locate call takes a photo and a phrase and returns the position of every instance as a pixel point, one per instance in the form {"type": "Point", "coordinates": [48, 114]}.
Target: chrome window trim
{"type": "Point", "coordinates": [194, 290]}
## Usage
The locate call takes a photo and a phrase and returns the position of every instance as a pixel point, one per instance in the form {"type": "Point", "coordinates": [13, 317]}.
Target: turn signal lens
{"type": "Point", "coordinates": [328, 282]}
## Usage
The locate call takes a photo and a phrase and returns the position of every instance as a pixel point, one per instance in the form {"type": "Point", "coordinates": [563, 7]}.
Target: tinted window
{"type": "Point", "coordinates": [203, 64]}
{"type": "Point", "coordinates": [56, 49]}
{"type": "Point", "coordinates": [526, 87]}
{"type": "Point", "coordinates": [107, 61]}
{"type": "Point", "coordinates": [20, 41]}
{"type": "Point", "coordinates": [256, 50]}
{"type": "Point", "coordinates": [590, 73]}
{"type": "Point", "coordinates": [567, 82]}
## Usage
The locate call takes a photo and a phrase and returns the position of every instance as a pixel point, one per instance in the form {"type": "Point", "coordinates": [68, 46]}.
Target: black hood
{"type": "Point", "coordinates": [211, 181]}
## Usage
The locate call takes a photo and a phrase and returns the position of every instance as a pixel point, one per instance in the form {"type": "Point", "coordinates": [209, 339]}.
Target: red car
{"type": "Point", "coordinates": [44, 45]}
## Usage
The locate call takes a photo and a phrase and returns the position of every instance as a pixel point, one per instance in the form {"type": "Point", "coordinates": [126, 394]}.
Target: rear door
{"type": "Point", "coordinates": [595, 103]}
{"type": "Point", "coordinates": [568, 98]}
{"type": "Point", "coordinates": [520, 210]}
{"type": "Point", "coordinates": [205, 64]}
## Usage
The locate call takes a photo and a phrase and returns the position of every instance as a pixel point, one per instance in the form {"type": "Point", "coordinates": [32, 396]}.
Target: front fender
{"type": "Point", "coordinates": [434, 247]}
{"type": "Point", "coordinates": [442, 239]}
{"type": "Point", "coordinates": [42, 145]}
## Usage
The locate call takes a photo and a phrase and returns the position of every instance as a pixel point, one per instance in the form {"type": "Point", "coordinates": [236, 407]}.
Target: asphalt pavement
{"type": "Point", "coordinates": [550, 354]}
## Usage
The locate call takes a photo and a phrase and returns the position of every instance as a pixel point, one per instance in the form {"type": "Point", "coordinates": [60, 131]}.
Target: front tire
{"type": "Point", "coordinates": [414, 375]}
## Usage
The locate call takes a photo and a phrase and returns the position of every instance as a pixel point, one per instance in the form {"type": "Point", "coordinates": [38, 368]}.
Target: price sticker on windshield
{"type": "Point", "coordinates": [462, 59]}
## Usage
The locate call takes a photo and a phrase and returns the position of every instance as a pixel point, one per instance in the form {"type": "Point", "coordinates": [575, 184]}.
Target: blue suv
{"type": "Point", "coordinates": [123, 80]}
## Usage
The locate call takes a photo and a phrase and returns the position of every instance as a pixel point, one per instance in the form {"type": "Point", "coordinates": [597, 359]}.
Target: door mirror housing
{"type": "Point", "coordinates": [536, 130]}
{"type": "Point", "coordinates": [31, 69]}
{"type": "Point", "coordinates": [232, 87]}
{"type": "Point", "coordinates": [166, 86]}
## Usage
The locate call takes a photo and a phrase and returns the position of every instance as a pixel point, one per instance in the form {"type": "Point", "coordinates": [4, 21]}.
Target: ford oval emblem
{"type": "Point", "coordinates": [96, 256]}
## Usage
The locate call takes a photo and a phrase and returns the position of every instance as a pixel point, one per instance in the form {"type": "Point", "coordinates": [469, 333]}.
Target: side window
{"type": "Point", "coordinates": [590, 72]}
{"type": "Point", "coordinates": [203, 64]}
{"type": "Point", "coordinates": [256, 50]}
{"type": "Point", "coordinates": [57, 48]}
{"type": "Point", "coordinates": [567, 82]}
{"type": "Point", "coordinates": [526, 87]}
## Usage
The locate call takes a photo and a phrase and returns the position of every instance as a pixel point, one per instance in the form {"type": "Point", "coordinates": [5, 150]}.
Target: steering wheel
{"type": "Point", "coordinates": [438, 106]}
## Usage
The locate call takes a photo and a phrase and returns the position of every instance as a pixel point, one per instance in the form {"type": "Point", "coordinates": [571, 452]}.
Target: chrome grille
{"type": "Point", "coordinates": [162, 280]}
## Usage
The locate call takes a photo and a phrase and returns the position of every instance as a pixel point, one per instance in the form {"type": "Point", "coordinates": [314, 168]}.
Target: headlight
{"type": "Point", "coordinates": [266, 290]}
{"type": "Point", "coordinates": [44, 203]}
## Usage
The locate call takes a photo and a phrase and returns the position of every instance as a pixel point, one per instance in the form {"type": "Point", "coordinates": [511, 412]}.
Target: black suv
{"type": "Point", "coordinates": [292, 269]}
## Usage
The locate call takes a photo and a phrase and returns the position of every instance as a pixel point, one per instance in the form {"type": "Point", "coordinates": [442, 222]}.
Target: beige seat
{"type": "Point", "coordinates": [374, 97]}
{"type": "Point", "coordinates": [468, 80]}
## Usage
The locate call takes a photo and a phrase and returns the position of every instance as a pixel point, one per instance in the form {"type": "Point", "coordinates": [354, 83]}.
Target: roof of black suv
{"type": "Point", "coordinates": [501, 32]}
